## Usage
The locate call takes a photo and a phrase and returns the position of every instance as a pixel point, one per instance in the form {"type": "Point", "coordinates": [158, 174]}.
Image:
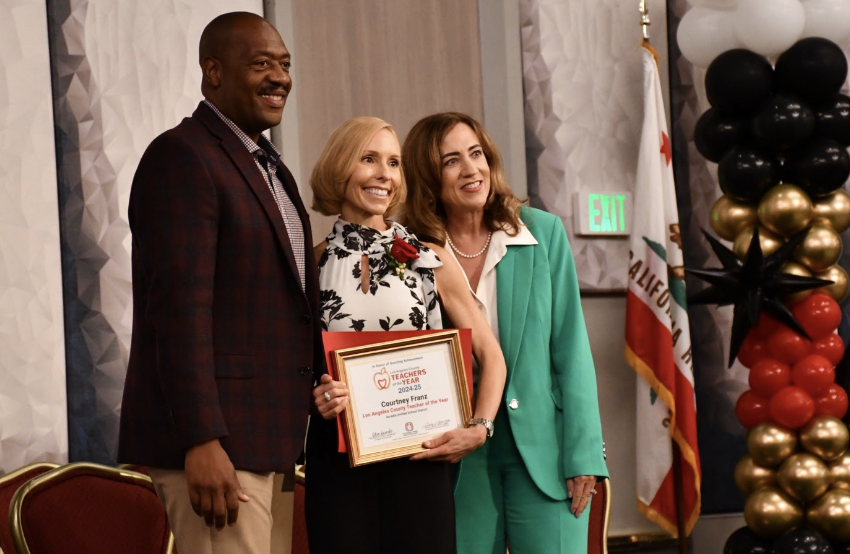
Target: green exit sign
{"type": "Point", "coordinates": [603, 213]}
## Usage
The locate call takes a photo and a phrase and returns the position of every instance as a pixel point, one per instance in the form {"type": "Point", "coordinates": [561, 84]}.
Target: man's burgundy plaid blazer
{"type": "Point", "coordinates": [225, 342]}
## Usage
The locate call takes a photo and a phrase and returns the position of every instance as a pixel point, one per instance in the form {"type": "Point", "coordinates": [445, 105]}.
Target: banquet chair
{"type": "Point", "coordinates": [92, 509]}
{"type": "Point", "coordinates": [138, 468]}
{"type": "Point", "coordinates": [9, 483]}
{"type": "Point", "coordinates": [600, 514]}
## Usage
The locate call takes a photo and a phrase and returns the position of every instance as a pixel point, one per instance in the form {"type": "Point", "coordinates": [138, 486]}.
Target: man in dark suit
{"type": "Point", "coordinates": [225, 297]}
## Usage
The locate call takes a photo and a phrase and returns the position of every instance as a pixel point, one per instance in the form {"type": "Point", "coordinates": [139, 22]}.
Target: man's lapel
{"type": "Point", "coordinates": [244, 161]}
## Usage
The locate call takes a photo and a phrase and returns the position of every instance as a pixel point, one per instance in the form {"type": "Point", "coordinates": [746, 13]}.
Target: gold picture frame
{"type": "Point", "coordinates": [401, 393]}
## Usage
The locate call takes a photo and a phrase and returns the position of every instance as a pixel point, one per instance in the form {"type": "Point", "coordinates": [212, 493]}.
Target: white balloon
{"type": "Point", "coordinates": [715, 4]}
{"type": "Point", "coordinates": [829, 19]}
{"type": "Point", "coordinates": [769, 27]}
{"type": "Point", "coordinates": [705, 33]}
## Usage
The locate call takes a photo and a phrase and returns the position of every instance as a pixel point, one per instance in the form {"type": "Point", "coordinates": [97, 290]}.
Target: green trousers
{"type": "Point", "coordinates": [497, 503]}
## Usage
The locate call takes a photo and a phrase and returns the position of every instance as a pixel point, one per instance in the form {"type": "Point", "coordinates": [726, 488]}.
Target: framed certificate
{"type": "Point", "coordinates": [402, 392]}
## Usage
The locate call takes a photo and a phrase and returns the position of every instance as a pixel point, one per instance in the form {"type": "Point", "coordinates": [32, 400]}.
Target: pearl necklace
{"type": "Point", "coordinates": [459, 253]}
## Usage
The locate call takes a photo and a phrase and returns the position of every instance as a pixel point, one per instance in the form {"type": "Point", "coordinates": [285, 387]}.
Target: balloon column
{"type": "Point", "coordinates": [779, 133]}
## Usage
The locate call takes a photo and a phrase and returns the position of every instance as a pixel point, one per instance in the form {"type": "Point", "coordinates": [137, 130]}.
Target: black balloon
{"type": "Point", "coordinates": [747, 173]}
{"type": "Point", "coordinates": [819, 167]}
{"type": "Point", "coordinates": [832, 120]}
{"type": "Point", "coordinates": [814, 68]}
{"type": "Point", "coordinates": [783, 122]}
{"type": "Point", "coordinates": [744, 541]}
{"type": "Point", "coordinates": [738, 81]}
{"type": "Point", "coordinates": [716, 134]}
{"type": "Point", "coordinates": [802, 541]}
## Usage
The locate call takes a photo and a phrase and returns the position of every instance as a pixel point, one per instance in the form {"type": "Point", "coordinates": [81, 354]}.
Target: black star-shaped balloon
{"type": "Point", "coordinates": [752, 285]}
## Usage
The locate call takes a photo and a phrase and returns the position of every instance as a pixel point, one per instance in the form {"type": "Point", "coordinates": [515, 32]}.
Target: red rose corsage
{"type": "Point", "coordinates": [399, 254]}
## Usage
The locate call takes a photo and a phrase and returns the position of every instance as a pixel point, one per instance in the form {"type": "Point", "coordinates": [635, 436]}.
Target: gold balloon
{"type": "Point", "coordinates": [825, 436]}
{"type": "Point", "coordinates": [769, 512]}
{"type": "Point", "coordinates": [785, 210]}
{"type": "Point", "coordinates": [800, 270]}
{"type": "Point", "coordinates": [820, 249]}
{"type": "Point", "coordinates": [804, 477]}
{"type": "Point", "coordinates": [839, 287]}
{"type": "Point", "coordinates": [833, 210]}
{"type": "Point", "coordinates": [840, 472]}
{"type": "Point", "coordinates": [729, 217]}
{"type": "Point", "coordinates": [830, 514]}
{"type": "Point", "coordinates": [770, 242]}
{"type": "Point", "coordinates": [750, 476]}
{"type": "Point", "coordinates": [770, 444]}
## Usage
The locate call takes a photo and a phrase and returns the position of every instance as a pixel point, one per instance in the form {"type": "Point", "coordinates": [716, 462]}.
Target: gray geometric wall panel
{"type": "Point", "coordinates": [123, 72]}
{"type": "Point", "coordinates": [33, 421]}
{"type": "Point", "coordinates": [583, 111]}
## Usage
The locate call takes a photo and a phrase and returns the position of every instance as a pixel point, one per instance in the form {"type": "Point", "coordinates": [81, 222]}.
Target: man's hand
{"type": "Point", "coordinates": [331, 397]}
{"type": "Point", "coordinates": [214, 490]}
{"type": "Point", "coordinates": [453, 445]}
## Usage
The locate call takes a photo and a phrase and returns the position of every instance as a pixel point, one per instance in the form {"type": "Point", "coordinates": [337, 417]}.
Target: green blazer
{"type": "Point", "coordinates": [550, 390]}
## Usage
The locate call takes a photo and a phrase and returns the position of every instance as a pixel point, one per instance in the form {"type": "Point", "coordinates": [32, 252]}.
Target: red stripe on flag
{"type": "Point", "coordinates": [662, 509]}
{"type": "Point", "coordinates": [650, 340]}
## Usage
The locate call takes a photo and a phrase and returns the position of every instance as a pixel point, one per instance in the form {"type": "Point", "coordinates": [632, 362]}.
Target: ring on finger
{"type": "Point", "coordinates": [327, 396]}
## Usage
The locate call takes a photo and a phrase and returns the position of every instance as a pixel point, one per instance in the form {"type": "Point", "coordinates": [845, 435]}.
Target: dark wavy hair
{"type": "Point", "coordinates": [423, 212]}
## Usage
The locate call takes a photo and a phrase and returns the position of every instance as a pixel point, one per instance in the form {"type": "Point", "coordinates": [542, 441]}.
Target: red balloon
{"type": "Point", "coordinates": [792, 407]}
{"type": "Point", "coordinates": [752, 350]}
{"type": "Point", "coordinates": [768, 376]}
{"type": "Point", "coordinates": [833, 402]}
{"type": "Point", "coordinates": [813, 374]}
{"type": "Point", "coordinates": [830, 347]}
{"type": "Point", "coordinates": [788, 346]}
{"type": "Point", "coordinates": [819, 315]}
{"type": "Point", "coordinates": [765, 327]}
{"type": "Point", "coordinates": [751, 409]}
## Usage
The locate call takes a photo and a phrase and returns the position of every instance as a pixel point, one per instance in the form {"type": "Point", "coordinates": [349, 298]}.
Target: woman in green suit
{"type": "Point", "coordinates": [530, 484]}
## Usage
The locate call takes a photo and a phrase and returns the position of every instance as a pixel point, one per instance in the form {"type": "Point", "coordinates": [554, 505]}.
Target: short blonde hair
{"type": "Point", "coordinates": [338, 160]}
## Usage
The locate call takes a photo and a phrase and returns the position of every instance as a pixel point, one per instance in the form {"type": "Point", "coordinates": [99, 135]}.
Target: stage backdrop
{"type": "Point", "coordinates": [122, 72]}
{"type": "Point", "coordinates": [33, 411]}
{"type": "Point", "coordinates": [583, 113]}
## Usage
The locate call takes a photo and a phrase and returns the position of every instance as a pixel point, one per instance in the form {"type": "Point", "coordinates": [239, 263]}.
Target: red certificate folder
{"type": "Point", "coordinates": [338, 340]}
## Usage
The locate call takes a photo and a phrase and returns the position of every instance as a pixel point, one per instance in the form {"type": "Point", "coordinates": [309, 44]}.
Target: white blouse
{"type": "Point", "coordinates": [485, 296]}
{"type": "Point", "coordinates": [393, 301]}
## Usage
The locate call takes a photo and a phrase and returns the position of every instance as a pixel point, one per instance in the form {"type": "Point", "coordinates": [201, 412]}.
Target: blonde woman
{"type": "Point", "coordinates": [403, 505]}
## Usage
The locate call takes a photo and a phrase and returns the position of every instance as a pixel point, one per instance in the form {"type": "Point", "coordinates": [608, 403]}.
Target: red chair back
{"type": "Point", "coordinates": [134, 467]}
{"type": "Point", "coordinates": [10, 483]}
{"type": "Point", "coordinates": [600, 513]}
{"type": "Point", "coordinates": [299, 521]}
{"type": "Point", "coordinates": [89, 508]}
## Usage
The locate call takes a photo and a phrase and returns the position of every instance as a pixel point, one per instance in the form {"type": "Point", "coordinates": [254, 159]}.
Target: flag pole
{"type": "Point", "coordinates": [680, 499]}
{"type": "Point", "coordinates": [645, 22]}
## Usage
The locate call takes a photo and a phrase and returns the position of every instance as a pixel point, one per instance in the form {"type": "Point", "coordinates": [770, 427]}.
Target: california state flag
{"type": "Point", "coordinates": [658, 342]}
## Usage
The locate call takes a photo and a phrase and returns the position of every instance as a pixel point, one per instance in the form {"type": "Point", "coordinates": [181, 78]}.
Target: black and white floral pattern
{"type": "Point", "coordinates": [391, 303]}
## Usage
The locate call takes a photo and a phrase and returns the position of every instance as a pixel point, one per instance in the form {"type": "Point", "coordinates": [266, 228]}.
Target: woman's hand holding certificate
{"type": "Point", "coordinates": [331, 397]}
{"type": "Point", "coordinates": [453, 445]}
